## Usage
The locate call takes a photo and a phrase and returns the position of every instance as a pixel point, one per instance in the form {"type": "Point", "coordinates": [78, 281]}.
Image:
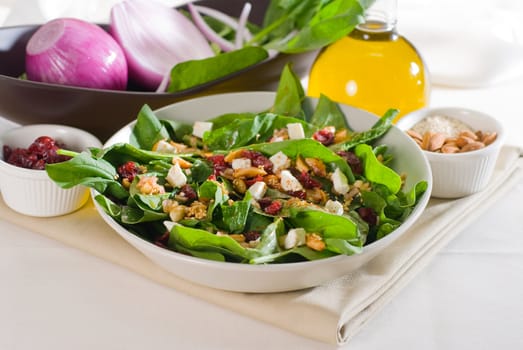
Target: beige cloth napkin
{"type": "Point", "coordinates": [333, 312]}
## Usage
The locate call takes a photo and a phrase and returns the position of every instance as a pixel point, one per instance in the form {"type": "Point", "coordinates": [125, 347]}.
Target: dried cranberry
{"type": "Point", "coordinates": [40, 152]}
{"type": "Point", "coordinates": [128, 170]}
{"type": "Point", "coordinates": [353, 161]}
{"type": "Point", "coordinates": [324, 136]}
{"type": "Point", "coordinates": [39, 164]}
{"type": "Point", "coordinates": [163, 240]}
{"type": "Point", "coordinates": [45, 148]}
{"type": "Point", "coordinates": [258, 160]}
{"type": "Point", "coordinates": [252, 236]}
{"type": "Point", "coordinates": [22, 158]}
{"type": "Point", "coordinates": [306, 179]}
{"type": "Point", "coordinates": [42, 144]}
{"type": "Point", "coordinates": [251, 181]}
{"type": "Point", "coordinates": [188, 192]}
{"type": "Point", "coordinates": [6, 151]}
{"type": "Point", "coordinates": [298, 194]}
{"type": "Point", "coordinates": [368, 215]}
{"type": "Point", "coordinates": [265, 202]}
{"type": "Point", "coordinates": [271, 207]}
{"type": "Point", "coordinates": [218, 164]}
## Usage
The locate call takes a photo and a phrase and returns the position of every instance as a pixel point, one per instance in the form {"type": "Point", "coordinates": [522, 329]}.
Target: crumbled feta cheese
{"type": "Point", "coordinates": [294, 238]}
{"type": "Point", "coordinates": [199, 128]}
{"type": "Point", "coordinates": [163, 146]}
{"type": "Point", "coordinates": [241, 163]}
{"type": "Point", "coordinates": [257, 190]}
{"type": "Point", "coordinates": [331, 129]}
{"type": "Point", "coordinates": [340, 182]}
{"type": "Point", "coordinates": [176, 176]}
{"type": "Point", "coordinates": [334, 207]}
{"type": "Point", "coordinates": [169, 225]}
{"type": "Point", "coordinates": [279, 161]}
{"type": "Point", "coordinates": [277, 139]}
{"type": "Point", "coordinates": [295, 131]}
{"type": "Point", "coordinates": [289, 183]}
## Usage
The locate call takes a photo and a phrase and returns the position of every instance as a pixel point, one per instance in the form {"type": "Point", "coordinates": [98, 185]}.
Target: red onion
{"type": "Point", "coordinates": [74, 52]}
{"type": "Point", "coordinates": [155, 38]}
{"type": "Point", "coordinates": [224, 44]}
{"type": "Point", "coordinates": [242, 25]}
{"type": "Point", "coordinates": [239, 25]}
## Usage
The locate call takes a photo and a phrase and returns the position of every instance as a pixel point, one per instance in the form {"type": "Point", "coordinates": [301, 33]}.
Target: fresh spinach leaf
{"type": "Point", "coordinates": [211, 190]}
{"type": "Point", "coordinates": [411, 197]}
{"type": "Point", "coordinates": [111, 208]}
{"type": "Point", "coordinates": [292, 255]}
{"type": "Point", "coordinates": [247, 130]}
{"type": "Point", "coordinates": [290, 95]}
{"type": "Point", "coordinates": [306, 148]}
{"type": "Point", "coordinates": [131, 215]}
{"type": "Point", "coordinates": [204, 241]}
{"type": "Point", "coordinates": [284, 16]}
{"type": "Point", "coordinates": [200, 172]}
{"type": "Point", "coordinates": [89, 171]}
{"type": "Point", "coordinates": [227, 119]}
{"type": "Point", "coordinates": [120, 153]}
{"type": "Point", "coordinates": [148, 129]}
{"type": "Point", "coordinates": [328, 113]}
{"type": "Point", "coordinates": [385, 229]}
{"type": "Point", "coordinates": [74, 171]}
{"type": "Point", "coordinates": [177, 130]}
{"type": "Point", "coordinates": [188, 74]}
{"type": "Point", "coordinates": [239, 133]}
{"type": "Point", "coordinates": [375, 171]}
{"type": "Point", "coordinates": [294, 26]}
{"type": "Point", "coordinates": [331, 23]}
{"type": "Point", "coordinates": [342, 246]}
{"type": "Point", "coordinates": [327, 224]}
{"type": "Point", "coordinates": [257, 222]}
{"type": "Point", "coordinates": [269, 238]}
{"type": "Point", "coordinates": [379, 129]}
{"type": "Point", "coordinates": [152, 202]}
{"type": "Point", "coordinates": [234, 216]}
{"type": "Point", "coordinates": [215, 256]}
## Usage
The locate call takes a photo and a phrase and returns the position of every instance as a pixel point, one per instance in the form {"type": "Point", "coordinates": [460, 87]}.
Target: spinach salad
{"type": "Point", "coordinates": [291, 183]}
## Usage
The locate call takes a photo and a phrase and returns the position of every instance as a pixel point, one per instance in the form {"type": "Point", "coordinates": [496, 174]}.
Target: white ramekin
{"type": "Point", "coordinates": [32, 192]}
{"type": "Point", "coordinates": [460, 174]}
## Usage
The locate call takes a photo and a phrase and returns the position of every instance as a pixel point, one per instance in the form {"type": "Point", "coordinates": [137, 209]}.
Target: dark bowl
{"type": "Point", "coordinates": [102, 112]}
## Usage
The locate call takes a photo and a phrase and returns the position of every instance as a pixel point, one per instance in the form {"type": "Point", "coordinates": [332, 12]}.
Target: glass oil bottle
{"type": "Point", "coordinates": [373, 68]}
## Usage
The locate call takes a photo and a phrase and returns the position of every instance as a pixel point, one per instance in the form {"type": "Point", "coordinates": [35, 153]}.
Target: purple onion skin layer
{"type": "Point", "coordinates": [74, 52]}
{"type": "Point", "coordinates": [154, 38]}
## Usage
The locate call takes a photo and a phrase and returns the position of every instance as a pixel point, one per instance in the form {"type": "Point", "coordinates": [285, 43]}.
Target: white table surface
{"type": "Point", "coordinates": [468, 297]}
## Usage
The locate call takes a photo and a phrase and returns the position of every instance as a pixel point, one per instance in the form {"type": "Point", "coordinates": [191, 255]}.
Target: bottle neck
{"type": "Point", "coordinates": [380, 17]}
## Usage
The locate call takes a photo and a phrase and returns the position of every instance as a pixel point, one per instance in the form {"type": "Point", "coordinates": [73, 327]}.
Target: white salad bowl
{"type": "Point", "coordinates": [274, 277]}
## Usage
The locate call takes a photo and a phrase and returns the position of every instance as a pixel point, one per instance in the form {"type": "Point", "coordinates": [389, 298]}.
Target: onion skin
{"type": "Point", "coordinates": [224, 44]}
{"type": "Point", "coordinates": [74, 52]}
{"type": "Point", "coordinates": [154, 38]}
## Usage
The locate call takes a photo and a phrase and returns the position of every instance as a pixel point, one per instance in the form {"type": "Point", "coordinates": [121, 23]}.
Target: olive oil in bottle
{"type": "Point", "coordinates": [373, 68]}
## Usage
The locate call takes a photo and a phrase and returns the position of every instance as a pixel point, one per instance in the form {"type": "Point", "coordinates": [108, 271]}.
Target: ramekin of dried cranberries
{"type": "Point", "coordinates": [462, 146]}
{"type": "Point", "coordinates": [24, 184]}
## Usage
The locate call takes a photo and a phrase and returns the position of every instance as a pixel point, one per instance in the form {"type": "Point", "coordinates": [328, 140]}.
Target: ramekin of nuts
{"type": "Point", "coordinates": [461, 145]}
